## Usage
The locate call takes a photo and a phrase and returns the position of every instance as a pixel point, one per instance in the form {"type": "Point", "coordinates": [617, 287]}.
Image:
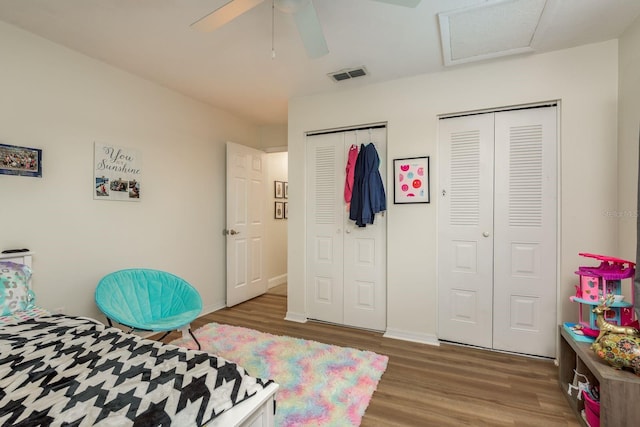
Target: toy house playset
{"type": "Point", "coordinates": [595, 284]}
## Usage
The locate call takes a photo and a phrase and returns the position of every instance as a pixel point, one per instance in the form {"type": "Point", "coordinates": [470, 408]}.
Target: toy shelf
{"type": "Point", "coordinates": [619, 389]}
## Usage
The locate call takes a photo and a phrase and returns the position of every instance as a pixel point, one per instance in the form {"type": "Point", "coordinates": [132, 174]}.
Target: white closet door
{"type": "Point", "coordinates": [346, 264]}
{"type": "Point", "coordinates": [465, 240]}
{"type": "Point", "coordinates": [325, 216]}
{"type": "Point", "coordinates": [497, 230]}
{"type": "Point", "coordinates": [525, 231]}
{"type": "Point", "coordinates": [365, 273]}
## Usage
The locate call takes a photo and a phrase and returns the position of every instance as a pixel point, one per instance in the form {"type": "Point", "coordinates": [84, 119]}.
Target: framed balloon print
{"type": "Point", "coordinates": [411, 180]}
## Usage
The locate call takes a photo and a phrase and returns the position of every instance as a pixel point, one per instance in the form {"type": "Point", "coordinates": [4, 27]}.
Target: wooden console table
{"type": "Point", "coordinates": [619, 389]}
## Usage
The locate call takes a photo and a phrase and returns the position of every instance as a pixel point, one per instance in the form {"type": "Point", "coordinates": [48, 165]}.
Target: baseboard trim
{"type": "Point", "coordinates": [296, 317]}
{"type": "Point", "coordinates": [412, 336]}
{"type": "Point", "coordinates": [278, 280]}
{"type": "Point", "coordinates": [212, 308]}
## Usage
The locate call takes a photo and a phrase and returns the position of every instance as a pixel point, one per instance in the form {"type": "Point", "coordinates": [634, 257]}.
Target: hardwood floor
{"type": "Point", "coordinates": [427, 385]}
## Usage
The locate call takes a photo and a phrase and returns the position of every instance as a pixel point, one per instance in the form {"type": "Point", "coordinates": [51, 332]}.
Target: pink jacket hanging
{"type": "Point", "coordinates": [351, 165]}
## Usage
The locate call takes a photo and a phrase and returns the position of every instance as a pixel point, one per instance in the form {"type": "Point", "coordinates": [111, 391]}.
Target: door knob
{"type": "Point", "coordinates": [347, 231]}
{"type": "Point", "coordinates": [233, 232]}
{"type": "Point", "coordinates": [485, 234]}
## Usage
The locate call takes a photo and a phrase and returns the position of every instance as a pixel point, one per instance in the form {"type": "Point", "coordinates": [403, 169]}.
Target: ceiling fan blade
{"type": "Point", "coordinates": [310, 30]}
{"type": "Point", "coordinates": [405, 3]}
{"type": "Point", "coordinates": [224, 14]}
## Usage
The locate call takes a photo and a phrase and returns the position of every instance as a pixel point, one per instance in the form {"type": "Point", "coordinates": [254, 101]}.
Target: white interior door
{"type": "Point", "coordinates": [497, 230]}
{"type": "Point", "coordinates": [325, 237]}
{"type": "Point", "coordinates": [246, 190]}
{"type": "Point", "coordinates": [525, 254]}
{"type": "Point", "coordinates": [365, 272]}
{"type": "Point", "coordinates": [465, 240]}
{"type": "Point", "coordinates": [346, 264]}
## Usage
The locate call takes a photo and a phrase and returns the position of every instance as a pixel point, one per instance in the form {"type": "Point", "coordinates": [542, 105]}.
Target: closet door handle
{"type": "Point", "coordinates": [347, 231]}
{"type": "Point", "coordinates": [485, 234]}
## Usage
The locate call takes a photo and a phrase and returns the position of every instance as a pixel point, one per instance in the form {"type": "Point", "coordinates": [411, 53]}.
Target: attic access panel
{"type": "Point", "coordinates": [493, 29]}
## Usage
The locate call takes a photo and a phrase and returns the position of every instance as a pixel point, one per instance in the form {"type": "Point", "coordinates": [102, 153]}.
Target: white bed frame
{"type": "Point", "coordinates": [257, 411]}
{"type": "Point", "coordinates": [19, 258]}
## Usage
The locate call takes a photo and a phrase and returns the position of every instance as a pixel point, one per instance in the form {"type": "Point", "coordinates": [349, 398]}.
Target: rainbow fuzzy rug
{"type": "Point", "coordinates": [320, 384]}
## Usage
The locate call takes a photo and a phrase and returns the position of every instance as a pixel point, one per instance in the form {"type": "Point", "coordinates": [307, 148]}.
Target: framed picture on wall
{"type": "Point", "coordinates": [286, 210]}
{"type": "Point", "coordinates": [286, 190]}
{"type": "Point", "coordinates": [117, 173]}
{"type": "Point", "coordinates": [20, 161]}
{"type": "Point", "coordinates": [411, 180]}
{"type": "Point", "coordinates": [278, 189]}
{"type": "Point", "coordinates": [278, 210]}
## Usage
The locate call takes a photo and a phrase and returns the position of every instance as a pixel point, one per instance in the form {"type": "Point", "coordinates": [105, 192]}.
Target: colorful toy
{"type": "Point", "coordinates": [595, 283]}
{"type": "Point", "coordinates": [620, 351]}
{"type": "Point", "coordinates": [609, 328]}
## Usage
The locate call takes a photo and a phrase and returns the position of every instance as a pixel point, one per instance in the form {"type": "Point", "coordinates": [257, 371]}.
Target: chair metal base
{"type": "Point", "coordinates": [195, 339]}
{"type": "Point", "coordinates": [190, 333]}
{"type": "Point", "coordinates": [162, 337]}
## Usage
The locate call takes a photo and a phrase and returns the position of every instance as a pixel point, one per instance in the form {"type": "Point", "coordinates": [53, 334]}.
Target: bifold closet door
{"type": "Point", "coordinates": [346, 264]}
{"type": "Point", "coordinates": [525, 248]}
{"type": "Point", "coordinates": [497, 230]}
{"type": "Point", "coordinates": [465, 240]}
{"type": "Point", "coordinates": [325, 237]}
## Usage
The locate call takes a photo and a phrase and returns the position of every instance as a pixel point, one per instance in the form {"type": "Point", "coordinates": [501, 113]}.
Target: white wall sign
{"type": "Point", "coordinates": [117, 173]}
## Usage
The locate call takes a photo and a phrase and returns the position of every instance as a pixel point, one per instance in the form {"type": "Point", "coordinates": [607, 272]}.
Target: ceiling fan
{"type": "Point", "coordinates": [303, 11]}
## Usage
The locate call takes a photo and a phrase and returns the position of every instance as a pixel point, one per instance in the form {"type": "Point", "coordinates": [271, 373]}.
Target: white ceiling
{"type": "Point", "coordinates": [231, 68]}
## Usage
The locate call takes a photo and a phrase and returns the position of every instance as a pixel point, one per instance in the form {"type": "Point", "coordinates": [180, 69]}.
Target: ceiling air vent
{"type": "Point", "coordinates": [352, 73]}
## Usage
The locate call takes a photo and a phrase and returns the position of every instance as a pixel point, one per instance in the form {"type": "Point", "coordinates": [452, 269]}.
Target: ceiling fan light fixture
{"type": "Point", "coordinates": [290, 6]}
{"type": "Point", "coordinates": [304, 14]}
{"type": "Point", "coordinates": [224, 14]}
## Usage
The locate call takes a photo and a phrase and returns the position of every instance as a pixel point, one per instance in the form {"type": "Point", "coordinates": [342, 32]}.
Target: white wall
{"type": "Point", "coordinates": [628, 134]}
{"type": "Point", "coordinates": [61, 101]}
{"type": "Point", "coordinates": [276, 229]}
{"type": "Point", "coordinates": [273, 137]}
{"type": "Point", "coordinates": [584, 79]}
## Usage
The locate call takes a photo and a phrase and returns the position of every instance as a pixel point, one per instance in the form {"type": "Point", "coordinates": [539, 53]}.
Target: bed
{"type": "Point", "coordinates": [66, 370]}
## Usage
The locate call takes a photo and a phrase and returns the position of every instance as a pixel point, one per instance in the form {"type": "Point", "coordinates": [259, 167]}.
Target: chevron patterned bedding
{"type": "Point", "coordinates": [61, 370]}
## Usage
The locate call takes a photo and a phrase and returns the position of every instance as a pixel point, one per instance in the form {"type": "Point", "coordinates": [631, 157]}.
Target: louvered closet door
{"type": "Point", "coordinates": [497, 230]}
{"type": "Point", "coordinates": [325, 181]}
{"type": "Point", "coordinates": [525, 232]}
{"type": "Point", "coordinates": [465, 243]}
{"type": "Point", "coordinates": [365, 274]}
{"type": "Point", "coordinates": [346, 264]}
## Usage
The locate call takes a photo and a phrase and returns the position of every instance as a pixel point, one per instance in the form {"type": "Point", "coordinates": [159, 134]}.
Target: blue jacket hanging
{"type": "Point", "coordinates": [368, 196]}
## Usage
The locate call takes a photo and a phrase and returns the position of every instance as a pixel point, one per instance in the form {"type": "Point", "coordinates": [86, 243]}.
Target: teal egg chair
{"type": "Point", "coordinates": [148, 300]}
